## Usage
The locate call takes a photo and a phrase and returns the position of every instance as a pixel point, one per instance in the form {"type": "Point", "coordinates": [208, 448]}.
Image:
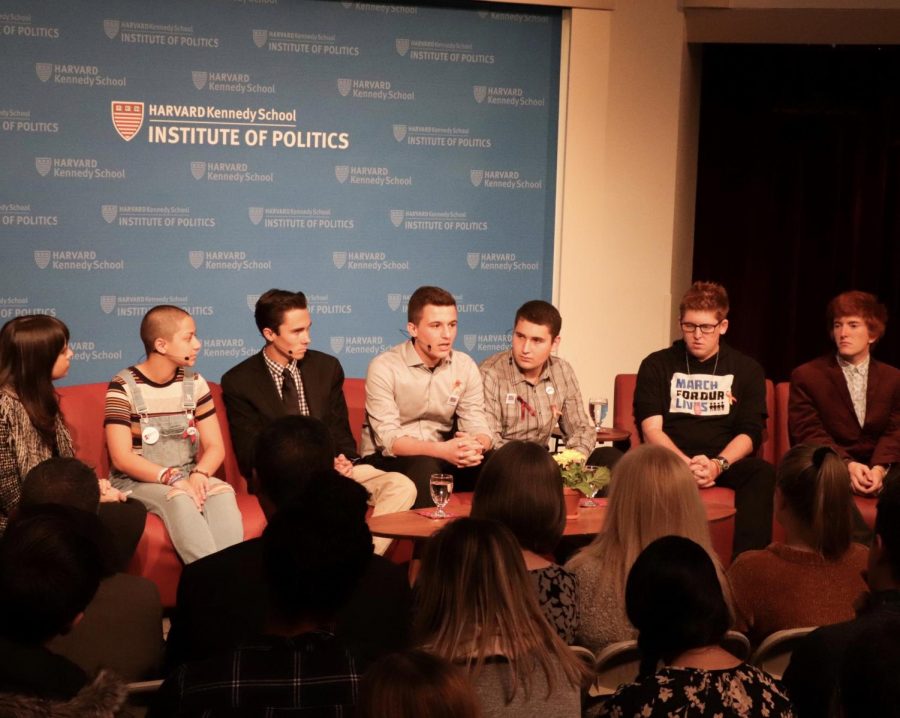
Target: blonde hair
{"type": "Point", "coordinates": [652, 494]}
{"type": "Point", "coordinates": [476, 601]}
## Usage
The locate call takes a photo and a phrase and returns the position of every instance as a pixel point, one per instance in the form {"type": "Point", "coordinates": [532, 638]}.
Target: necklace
{"type": "Point", "coordinates": [687, 364]}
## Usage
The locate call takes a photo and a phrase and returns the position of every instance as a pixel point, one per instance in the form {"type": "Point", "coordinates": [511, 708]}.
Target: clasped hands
{"type": "Point", "coordinates": [194, 485]}
{"type": "Point", "coordinates": [463, 450]}
{"type": "Point", "coordinates": [864, 480]}
{"type": "Point", "coordinates": [705, 470]}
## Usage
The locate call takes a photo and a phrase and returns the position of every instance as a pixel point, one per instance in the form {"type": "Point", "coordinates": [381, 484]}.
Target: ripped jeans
{"type": "Point", "coordinates": [194, 533]}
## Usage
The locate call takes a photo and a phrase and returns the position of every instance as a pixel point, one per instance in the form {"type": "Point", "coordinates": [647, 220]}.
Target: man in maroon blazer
{"type": "Point", "coordinates": [850, 400]}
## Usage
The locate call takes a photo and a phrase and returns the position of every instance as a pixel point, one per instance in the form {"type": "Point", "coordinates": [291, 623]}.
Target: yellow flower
{"type": "Point", "coordinates": [569, 456]}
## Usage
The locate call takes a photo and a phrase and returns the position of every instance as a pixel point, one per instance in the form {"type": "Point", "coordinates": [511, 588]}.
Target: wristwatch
{"type": "Point", "coordinates": [723, 464]}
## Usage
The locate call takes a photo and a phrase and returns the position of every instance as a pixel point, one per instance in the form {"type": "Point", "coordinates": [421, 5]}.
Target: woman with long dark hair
{"type": "Point", "coordinates": [674, 599]}
{"type": "Point", "coordinates": [34, 352]}
{"type": "Point", "coordinates": [521, 487]}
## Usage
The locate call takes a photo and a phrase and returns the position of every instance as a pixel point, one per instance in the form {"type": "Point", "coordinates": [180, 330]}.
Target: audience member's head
{"type": "Point", "coordinates": [416, 684]}
{"type": "Point", "coordinates": [884, 555]}
{"type": "Point", "coordinates": [50, 567]}
{"type": "Point", "coordinates": [814, 490]}
{"type": "Point", "coordinates": [521, 487]}
{"type": "Point", "coordinates": [288, 452]}
{"type": "Point", "coordinates": [705, 297]}
{"type": "Point", "coordinates": [858, 304]}
{"type": "Point", "coordinates": [652, 493]}
{"type": "Point", "coordinates": [315, 551]}
{"type": "Point", "coordinates": [61, 480]}
{"type": "Point", "coordinates": [869, 670]}
{"type": "Point", "coordinates": [476, 600]}
{"type": "Point", "coordinates": [674, 599]}
{"type": "Point", "coordinates": [537, 311]}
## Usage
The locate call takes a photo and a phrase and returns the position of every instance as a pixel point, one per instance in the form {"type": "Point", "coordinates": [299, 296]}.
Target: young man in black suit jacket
{"type": "Point", "coordinates": [222, 598]}
{"type": "Point", "coordinates": [287, 378]}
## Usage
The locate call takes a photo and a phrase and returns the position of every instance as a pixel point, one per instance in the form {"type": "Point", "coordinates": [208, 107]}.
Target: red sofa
{"type": "Point", "coordinates": [155, 557]}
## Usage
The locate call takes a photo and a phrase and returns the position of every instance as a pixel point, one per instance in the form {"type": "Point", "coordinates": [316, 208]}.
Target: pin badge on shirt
{"type": "Point", "coordinates": [550, 390]}
{"type": "Point", "coordinates": [150, 435]}
{"type": "Point", "coordinates": [511, 398]}
{"type": "Point", "coordinates": [453, 399]}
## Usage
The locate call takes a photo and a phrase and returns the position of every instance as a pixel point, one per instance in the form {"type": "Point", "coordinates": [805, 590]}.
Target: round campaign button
{"type": "Point", "coordinates": [150, 435]}
{"type": "Point", "coordinates": [191, 431]}
{"type": "Point", "coordinates": [550, 390]}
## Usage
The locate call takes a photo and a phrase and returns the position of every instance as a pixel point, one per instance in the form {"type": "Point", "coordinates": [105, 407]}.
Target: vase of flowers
{"type": "Point", "coordinates": [579, 480]}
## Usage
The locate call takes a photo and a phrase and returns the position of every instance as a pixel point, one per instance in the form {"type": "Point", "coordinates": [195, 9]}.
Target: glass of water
{"type": "Point", "coordinates": [441, 487]}
{"type": "Point", "coordinates": [598, 407]}
{"type": "Point", "coordinates": [591, 472]}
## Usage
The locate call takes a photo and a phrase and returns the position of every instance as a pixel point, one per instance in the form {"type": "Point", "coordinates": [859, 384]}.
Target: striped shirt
{"type": "Point", "coordinates": [161, 399]}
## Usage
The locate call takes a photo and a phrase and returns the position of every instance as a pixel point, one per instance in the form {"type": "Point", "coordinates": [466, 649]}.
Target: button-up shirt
{"type": "Point", "coordinates": [276, 370]}
{"type": "Point", "coordinates": [406, 398]}
{"type": "Point", "coordinates": [516, 409]}
{"type": "Point", "coordinates": [857, 376]}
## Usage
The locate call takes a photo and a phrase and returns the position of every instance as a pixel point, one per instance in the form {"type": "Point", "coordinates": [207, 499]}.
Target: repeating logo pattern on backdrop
{"type": "Point", "coordinates": [352, 150]}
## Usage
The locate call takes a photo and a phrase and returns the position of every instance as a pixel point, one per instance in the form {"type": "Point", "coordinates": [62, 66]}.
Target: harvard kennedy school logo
{"type": "Point", "coordinates": [42, 258]}
{"type": "Point", "coordinates": [127, 118]}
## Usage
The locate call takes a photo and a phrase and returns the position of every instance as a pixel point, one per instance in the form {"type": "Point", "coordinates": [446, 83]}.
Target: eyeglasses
{"type": "Point", "coordinates": [690, 327]}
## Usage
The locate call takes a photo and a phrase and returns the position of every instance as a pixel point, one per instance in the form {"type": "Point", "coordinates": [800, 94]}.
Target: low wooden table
{"type": "Point", "coordinates": [412, 525]}
{"type": "Point", "coordinates": [612, 433]}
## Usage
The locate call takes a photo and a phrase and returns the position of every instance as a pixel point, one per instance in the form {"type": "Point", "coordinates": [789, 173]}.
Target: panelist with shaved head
{"type": "Point", "coordinates": [164, 438]}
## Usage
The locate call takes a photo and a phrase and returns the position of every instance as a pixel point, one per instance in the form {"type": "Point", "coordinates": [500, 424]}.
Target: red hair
{"type": "Point", "coordinates": [705, 297]}
{"type": "Point", "coordinates": [859, 304]}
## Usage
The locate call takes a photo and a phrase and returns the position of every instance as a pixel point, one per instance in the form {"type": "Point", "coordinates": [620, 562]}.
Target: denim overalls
{"type": "Point", "coordinates": [173, 441]}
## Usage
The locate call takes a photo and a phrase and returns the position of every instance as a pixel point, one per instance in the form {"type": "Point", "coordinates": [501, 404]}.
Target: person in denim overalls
{"type": "Point", "coordinates": [159, 415]}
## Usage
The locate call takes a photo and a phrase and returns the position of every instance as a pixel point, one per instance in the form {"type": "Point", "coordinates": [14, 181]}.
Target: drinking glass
{"type": "Point", "coordinates": [593, 485]}
{"type": "Point", "coordinates": [441, 487]}
{"type": "Point", "coordinates": [598, 407]}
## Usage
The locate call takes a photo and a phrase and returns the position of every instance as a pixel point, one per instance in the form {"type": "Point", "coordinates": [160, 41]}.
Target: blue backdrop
{"type": "Point", "coordinates": [200, 152]}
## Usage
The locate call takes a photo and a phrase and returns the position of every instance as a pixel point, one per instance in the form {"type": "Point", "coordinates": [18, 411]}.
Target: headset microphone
{"type": "Point", "coordinates": [187, 358]}
{"type": "Point", "coordinates": [290, 352]}
{"type": "Point", "coordinates": [429, 347]}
